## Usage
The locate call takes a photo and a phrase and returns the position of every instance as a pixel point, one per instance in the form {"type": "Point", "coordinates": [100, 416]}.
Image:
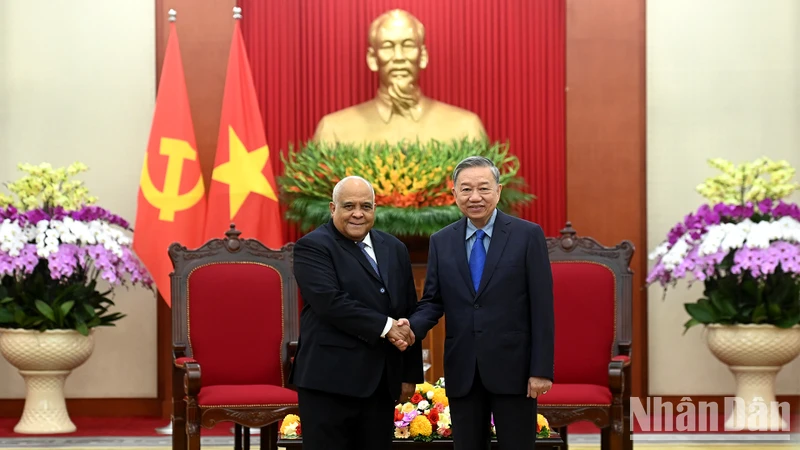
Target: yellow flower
{"type": "Point", "coordinates": [440, 396]}
{"type": "Point", "coordinates": [420, 426]}
{"type": "Point", "coordinates": [542, 422]}
{"type": "Point", "coordinates": [747, 182]}
{"type": "Point", "coordinates": [408, 407]}
{"type": "Point", "coordinates": [401, 433]}
{"type": "Point", "coordinates": [424, 388]}
{"type": "Point", "coordinates": [44, 186]}
{"type": "Point", "coordinates": [289, 425]}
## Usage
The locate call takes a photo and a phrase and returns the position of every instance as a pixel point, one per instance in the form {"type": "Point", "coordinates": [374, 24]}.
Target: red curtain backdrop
{"type": "Point", "coordinates": [503, 60]}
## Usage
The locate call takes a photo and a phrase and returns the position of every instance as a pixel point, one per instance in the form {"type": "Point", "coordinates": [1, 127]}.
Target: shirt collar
{"type": "Point", "coordinates": [386, 109]}
{"type": "Point", "coordinates": [367, 241]}
{"type": "Point", "coordinates": [471, 228]}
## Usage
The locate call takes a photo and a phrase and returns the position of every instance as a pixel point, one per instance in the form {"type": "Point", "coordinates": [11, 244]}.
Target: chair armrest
{"type": "Point", "coordinates": [619, 376]}
{"type": "Point", "coordinates": [191, 378]}
{"type": "Point", "coordinates": [181, 362]}
{"type": "Point", "coordinates": [292, 350]}
{"type": "Point", "coordinates": [626, 361]}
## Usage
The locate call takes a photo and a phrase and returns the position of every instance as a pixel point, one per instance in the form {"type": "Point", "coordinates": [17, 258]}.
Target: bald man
{"type": "Point", "coordinates": [354, 281]}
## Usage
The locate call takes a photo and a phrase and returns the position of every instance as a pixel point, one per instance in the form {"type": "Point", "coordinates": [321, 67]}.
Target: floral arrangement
{"type": "Point", "coordinates": [425, 417]}
{"type": "Point", "coordinates": [412, 182]}
{"type": "Point", "coordinates": [744, 245]}
{"type": "Point", "coordinates": [55, 248]}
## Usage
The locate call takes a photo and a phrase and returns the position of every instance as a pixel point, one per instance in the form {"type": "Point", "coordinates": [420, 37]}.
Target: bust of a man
{"type": "Point", "coordinates": [399, 111]}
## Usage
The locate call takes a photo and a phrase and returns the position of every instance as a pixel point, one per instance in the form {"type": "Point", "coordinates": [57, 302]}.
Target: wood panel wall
{"type": "Point", "coordinates": [606, 186]}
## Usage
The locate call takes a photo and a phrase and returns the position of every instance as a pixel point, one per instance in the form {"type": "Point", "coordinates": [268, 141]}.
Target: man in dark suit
{"type": "Point", "coordinates": [354, 281]}
{"type": "Point", "coordinates": [490, 274]}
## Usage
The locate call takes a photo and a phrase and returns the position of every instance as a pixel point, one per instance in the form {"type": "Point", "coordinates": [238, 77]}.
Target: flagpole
{"type": "Point", "coordinates": [167, 429]}
{"type": "Point", "coordinates": [237, 15]}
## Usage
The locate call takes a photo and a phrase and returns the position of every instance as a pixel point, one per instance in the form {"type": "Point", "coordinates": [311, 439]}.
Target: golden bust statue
{"type": "Point", "coordinates": [399, 111]}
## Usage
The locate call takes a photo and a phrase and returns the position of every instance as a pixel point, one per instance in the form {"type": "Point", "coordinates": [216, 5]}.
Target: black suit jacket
{"type": "Point", "coordinates": [507, 327]}
{"type": "Point", "coordinates": [345, 307]}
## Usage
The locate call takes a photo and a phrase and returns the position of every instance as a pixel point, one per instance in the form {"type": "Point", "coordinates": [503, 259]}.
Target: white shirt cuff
{"type": "Point", "coordinates": [387, 327]}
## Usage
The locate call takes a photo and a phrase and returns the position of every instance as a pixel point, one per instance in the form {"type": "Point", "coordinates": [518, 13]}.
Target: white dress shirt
{"type": "Point", "coordinates": [371, 252]}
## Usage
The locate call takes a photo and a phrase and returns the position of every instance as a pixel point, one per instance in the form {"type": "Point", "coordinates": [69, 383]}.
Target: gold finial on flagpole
{"type": "Point", "coordinates": [173, 15]}
{"type": "Point", "coordinates": [237, 12]}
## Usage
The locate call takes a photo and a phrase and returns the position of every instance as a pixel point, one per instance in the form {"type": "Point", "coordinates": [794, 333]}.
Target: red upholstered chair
{"type": "Point", "coordinates": [234, 328]}
{"type": "Point", "coordinates": [592, 292]}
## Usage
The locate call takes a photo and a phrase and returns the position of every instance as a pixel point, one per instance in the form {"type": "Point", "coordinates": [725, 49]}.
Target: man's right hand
{"type": "Point", "coordinates": [400, 334]}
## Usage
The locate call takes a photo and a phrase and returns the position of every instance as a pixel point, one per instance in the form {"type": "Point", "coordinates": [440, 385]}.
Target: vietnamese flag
{"type": "Point", "coordinates": [242, 188]}
{"type": "Point", "coordinates": [171, 206]}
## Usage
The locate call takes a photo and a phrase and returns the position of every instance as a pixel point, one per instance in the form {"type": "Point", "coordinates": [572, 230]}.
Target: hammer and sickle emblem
{"type": "Point", "coordinates": [169, 200]}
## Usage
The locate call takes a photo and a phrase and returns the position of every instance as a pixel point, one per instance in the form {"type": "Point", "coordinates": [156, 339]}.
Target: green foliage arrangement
{"type": "Point", "coordinates": [412, 181]}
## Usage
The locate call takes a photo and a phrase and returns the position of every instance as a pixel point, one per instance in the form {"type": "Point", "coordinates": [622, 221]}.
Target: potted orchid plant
{"type": "Point", "coordinates": [744, 246]}
{"type": "Point", "coordinates": [60, 259]}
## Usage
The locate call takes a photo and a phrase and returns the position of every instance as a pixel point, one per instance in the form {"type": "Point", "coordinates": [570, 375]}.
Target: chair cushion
{"type": "Point", "coordinates": [235, 327]}
{"type": "Point", "coordinates": [584, 294]}
{"type": "Point", "coordinates": [246, 395]}
{"type": "Point", "coordinates": [576, 394]}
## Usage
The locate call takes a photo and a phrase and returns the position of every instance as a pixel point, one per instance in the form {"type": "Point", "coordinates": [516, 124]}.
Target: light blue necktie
{"type": "Point", "coordinates": [477, 259]}
{"type": "Point", "coordinates": [372, 262]}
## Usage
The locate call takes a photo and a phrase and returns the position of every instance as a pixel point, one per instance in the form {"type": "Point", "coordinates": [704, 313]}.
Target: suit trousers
{"type": "Point", "coordinates": [514, 419]}
{"type": "Point", "coordinates": [340, 422]}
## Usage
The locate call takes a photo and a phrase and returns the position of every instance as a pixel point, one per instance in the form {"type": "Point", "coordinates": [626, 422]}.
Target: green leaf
{"type": "Point", "coordinates": [66, 307]}
{"type": "Point", "coordinates": [759, 314]}
{"type": "Point", "coordinates": [45, 309]}
{"type": "Point", "coordinates": [20, 317]}
{"type": "Point", "coordinates": [724, 305]}
{"type": "Point", "coordinates": [6, 300]}
{"type": "Point", "coordinates": [82, 329]}
{"type": "Point", "coordinates": [6, 316]}
{"type": "Point", "coordinates": [89, 310]}
{"type": "Point", "coordinates": [788, 321]}
{"type": "Point", "coordinates": [689, 324]}
{"type": "Point", "coordinates": [702, 312]}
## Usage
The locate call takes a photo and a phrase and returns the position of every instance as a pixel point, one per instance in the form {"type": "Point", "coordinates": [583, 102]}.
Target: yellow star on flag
{"type": "Point", "coordinates": [243, 173]}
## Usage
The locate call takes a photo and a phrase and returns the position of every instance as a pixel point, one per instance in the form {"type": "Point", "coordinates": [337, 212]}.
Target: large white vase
{"type": "Point", "coordinates": [754, 354]}
{"type": "Point", "coordinates": [45, 360]}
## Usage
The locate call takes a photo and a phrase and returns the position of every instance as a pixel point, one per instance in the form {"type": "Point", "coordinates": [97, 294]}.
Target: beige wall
{"type": "Point", "coordinates": [77, 82]}
{"type": "Point", "coordinates": [723, 80]}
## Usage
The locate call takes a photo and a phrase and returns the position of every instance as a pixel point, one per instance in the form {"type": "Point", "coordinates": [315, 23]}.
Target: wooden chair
{"type": "Point", "coordinates": [593, 299]}
{"type": "Point", "coordinates": [234, 331]}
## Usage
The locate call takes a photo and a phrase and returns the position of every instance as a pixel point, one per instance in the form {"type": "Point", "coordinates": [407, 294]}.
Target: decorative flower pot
{"type": "Point", "coordinates": [45, 359]}
{"type": "Point", "coordinates": [754, 354]}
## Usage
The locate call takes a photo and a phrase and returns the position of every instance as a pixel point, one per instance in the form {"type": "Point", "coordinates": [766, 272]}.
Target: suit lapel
{"type": "Point", "coordinates": [460, 246]}
{"type": "Point", "coordinates": [353, 249]}
{"type": "Point", "coordinates": [496, 245]}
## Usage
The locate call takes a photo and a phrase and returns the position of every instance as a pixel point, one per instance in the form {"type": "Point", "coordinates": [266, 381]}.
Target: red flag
{"type": "Point", "coordinates": [242, 188]}
{"type": "Point", "coordinates": [171, 206]}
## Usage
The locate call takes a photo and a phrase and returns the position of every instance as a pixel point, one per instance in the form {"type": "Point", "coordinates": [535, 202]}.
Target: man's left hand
{"type": "Point", "coordinates": [538, 386]}
{"type": "Point", "coordinates": [407, 392]}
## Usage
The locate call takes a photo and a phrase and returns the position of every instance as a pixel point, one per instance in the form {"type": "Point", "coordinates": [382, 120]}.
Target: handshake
{"type": "Point", "coordinates": [400, 334]}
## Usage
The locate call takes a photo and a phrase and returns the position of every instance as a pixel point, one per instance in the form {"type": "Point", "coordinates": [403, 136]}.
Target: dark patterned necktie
{"type": "Point", "coordinates": [372, 262]}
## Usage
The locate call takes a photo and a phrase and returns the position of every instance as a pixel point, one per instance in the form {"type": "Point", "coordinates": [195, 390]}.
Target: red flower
{"type": "Point", "coordinates": [398, 415]}
{"type": "Point", "coordinates": [416, 398]}
{"type": "Point", "coordinates": [299, 430]}
{"type": "Point", "coordinates": [433, 416]}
